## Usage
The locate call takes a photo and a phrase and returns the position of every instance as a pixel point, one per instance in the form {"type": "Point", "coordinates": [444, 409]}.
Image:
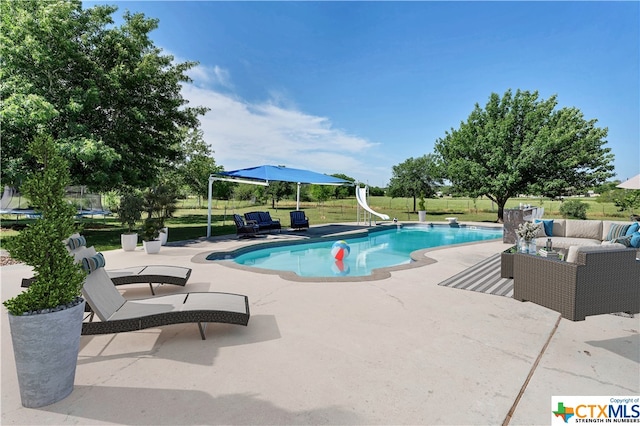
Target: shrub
{"type": "Point", "coordinates": [574, 209]}
{"type": "Point", "coordinates": [58, 279]}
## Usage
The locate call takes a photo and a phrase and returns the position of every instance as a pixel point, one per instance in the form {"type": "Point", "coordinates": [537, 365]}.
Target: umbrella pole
{"type": "Point", "coordinates": [298, 197]}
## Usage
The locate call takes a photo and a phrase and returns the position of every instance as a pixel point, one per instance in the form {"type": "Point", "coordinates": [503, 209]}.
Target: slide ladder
{"type": "Point", "coordinates": [361, 197]}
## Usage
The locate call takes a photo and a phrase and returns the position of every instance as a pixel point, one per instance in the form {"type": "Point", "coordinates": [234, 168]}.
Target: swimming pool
{"type": "Point", "coordinates": [378, 249]}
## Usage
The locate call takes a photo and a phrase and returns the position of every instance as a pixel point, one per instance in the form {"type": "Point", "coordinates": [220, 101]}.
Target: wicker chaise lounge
{"type": "Point", "coordinates": [599, 282]}
{"type": "Point", "coordinates": [118, 314]}
{"type": "Point", "coordinates": [149, 274]}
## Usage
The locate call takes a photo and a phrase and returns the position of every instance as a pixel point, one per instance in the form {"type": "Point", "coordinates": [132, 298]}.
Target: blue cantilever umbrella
{"type": "Point", "coordinates": [262, 175]}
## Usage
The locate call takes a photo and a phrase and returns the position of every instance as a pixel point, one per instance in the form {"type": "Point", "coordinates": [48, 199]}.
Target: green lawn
{"type": "Point", "coordinates": [190, 220]}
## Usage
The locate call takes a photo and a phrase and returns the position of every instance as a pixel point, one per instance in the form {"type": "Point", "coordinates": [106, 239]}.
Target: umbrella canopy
{"type": "Point", "coordinates": [284, 174]}
{"type": "Point", "coordinates": [633, 183]}
{"type": "Point", "coordinates": [262, 175]}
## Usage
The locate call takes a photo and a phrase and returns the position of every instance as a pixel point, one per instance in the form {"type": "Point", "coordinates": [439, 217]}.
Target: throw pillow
{"type": "Point", "coordinates": [92, 263]}
{"type": "Point", "coordinates": [617, 230]}
{"type": "Point", "coordinates": [76, 242]}
{"type": "Point", "coordinates": [623, 240]}
{"type": "Point", "coordinates": [635, 239]}
{"type": "Point", "coordinates": [635, 227]}
{"type": "Point", "coordinates": [547, 225]}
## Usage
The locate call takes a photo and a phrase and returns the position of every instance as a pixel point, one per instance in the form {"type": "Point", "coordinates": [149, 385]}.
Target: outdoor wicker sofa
{"type": "Point", "coordinates": [601, 281]}
{"type": "Point", "coordinates": [264, 220]}
{"type": "Point", "coordinates": [118, 314]}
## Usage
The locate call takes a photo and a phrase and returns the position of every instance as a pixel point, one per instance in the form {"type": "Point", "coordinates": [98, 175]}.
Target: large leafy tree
{"type": "Point", "coordinates": [520, 144]}
{"type": "Point", "coordinates": [106, 93]}
{"type": "Point", "coordinates": [415, 177]}
{"type": "Point", "coordinates": [197, 166]}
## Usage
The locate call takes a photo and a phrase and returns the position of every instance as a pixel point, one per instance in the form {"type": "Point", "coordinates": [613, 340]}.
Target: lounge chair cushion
{"type": "Point", "coordinates": [105, 300]}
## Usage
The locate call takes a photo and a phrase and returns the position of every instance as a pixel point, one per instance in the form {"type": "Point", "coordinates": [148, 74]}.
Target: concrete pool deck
{"type": "Point", "coordinates": [401, 350]}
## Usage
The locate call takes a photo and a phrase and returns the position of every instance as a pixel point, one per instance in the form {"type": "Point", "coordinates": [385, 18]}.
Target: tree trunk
{"type": "Point", "coordinates": [501, 204]}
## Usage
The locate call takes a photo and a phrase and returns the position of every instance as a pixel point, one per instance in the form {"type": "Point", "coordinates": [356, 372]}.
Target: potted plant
{"type": "Point", "coordinates": [150, 233]}
{"type": "Point", "coordinates": [161, 202]}
{"type": "Point", "coordinates": [129, 212]}
{"type": "Point", "coordinates": [422, 210]}
{"type": "Point", "coordinates": [528, 232]}
{"type": "Point", "coordinates": [46, 319]}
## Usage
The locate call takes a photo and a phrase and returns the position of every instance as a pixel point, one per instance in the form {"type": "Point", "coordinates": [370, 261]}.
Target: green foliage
{"type": "Point", "coordinates": [151, 229]}
{"type": "Point", "coordinates": [244, 191]}
{"type": "Point", "coordinates": [130, 209]}
{"type": "Point", "coordinates": [279, 190]}
{"type": "Point", "coordinates": [58, 279]}
{"type": "Point", "coordinates": [343, 191]}
{"type": "Point", "coordinates": [627, 199]}
{"type": "Point", "coordinates": [321, 193]}
{"type": "Point", "coordinates": [519, 144]}
{"type": "Point", "coordinates": [107, 93]}
{"type": "Point", "coordinates": [421, 205]}
{"type": "Point", "coordinates": [574, 209]}
{"type": "Point", "coordinates": [415, 177]}
{"type": "Point", "coordinates": [161, 201]}
{"type": "Point", "coordinates": [198, 164]}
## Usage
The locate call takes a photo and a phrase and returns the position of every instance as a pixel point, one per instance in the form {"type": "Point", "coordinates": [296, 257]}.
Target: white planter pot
{"type": "Point", "coordinates": [422, 215]}
{"type": "Point", "coordinates": [152, 247]}
{"type": "Point", "coordinates": [164, 234]}
{"type": "Point", "coordinates": [45, 348]}
{"type": "Point", "coordinates": [129, 241]}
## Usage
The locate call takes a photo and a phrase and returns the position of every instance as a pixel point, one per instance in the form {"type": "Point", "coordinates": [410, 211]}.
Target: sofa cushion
{"type": "Point", "coordinates": [572, 254]}
{"type": "Point", "coordinates": [566, 242]}
{"type": "Point", "coordinates": [584, 229]}
{"type": "Point", "coordinates": [635, 239]}
{"type": "Point", "coordinates": [559, 227]}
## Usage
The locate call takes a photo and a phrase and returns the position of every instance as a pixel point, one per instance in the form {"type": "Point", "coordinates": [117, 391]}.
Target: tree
{"type": "Point", "coordinates": [342, 191]}
{"type": "Point", "coordinates": [278, 190]}
{"type": "Point", "coordinates": [519, 144]}
{"type": "Point", "coordinates": [198, 165]}
{"type": "Point", "coordinates": [105, 93]}
{"type": "Point", "coordinates": [415, 177]}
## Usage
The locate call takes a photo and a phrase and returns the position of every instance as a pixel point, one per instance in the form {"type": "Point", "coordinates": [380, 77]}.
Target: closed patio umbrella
{"type": "Point", "coordinates": [633, 183]}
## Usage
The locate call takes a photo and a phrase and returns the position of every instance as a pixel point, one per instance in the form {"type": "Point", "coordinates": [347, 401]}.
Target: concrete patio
{"type": "Point", "coordinates": [402, 350]}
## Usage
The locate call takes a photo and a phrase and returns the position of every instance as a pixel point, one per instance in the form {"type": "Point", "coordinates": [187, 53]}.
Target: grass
{"type": "Point", "coordinates": [190, 221]}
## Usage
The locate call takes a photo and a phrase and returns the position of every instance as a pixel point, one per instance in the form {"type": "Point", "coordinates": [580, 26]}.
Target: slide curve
{"type": "Point", "coordinates": [361, 196]}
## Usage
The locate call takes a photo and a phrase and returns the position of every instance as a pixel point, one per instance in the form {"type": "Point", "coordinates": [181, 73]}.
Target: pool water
{"type": "Point", "coordinates": [380, 249]}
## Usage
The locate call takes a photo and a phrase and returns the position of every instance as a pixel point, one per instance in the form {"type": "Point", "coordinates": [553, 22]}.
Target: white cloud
{"type": "Point", "coordinates": [244, 134]}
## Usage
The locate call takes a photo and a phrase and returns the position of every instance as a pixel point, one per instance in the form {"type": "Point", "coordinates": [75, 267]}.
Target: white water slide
{"type": "Point", "coordinates": [361, 196]}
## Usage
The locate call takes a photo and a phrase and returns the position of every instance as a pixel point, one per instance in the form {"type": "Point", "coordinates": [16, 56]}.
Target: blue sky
{"type": "Point", "coordinates": [358, 87]}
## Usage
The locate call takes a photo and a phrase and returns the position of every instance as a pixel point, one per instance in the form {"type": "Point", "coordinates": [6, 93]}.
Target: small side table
{"type": "Point", "coordinates": [506, 262]}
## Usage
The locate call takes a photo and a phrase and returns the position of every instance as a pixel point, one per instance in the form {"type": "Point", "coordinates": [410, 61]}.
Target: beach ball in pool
{"type": "Point", "coordinates": [340, 268]}
{"type": "Point", "coordinates": [340, 250]}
